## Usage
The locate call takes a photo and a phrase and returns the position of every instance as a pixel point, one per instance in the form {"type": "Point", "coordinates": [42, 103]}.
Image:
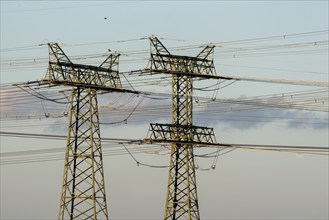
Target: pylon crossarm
{"type": "Point", "coordinates": [163, 61]}
{"type": "Point", "coordinates": [83, 85]}
{"type": "Point", "coordinates": [82, 74]}
{"type": "Point", "coordinates": [182, 64]}
{"type": "Point", "coordinates": [180, 73]}
{"type": "Point", "coordinates": [184, 134]}
{"type": "Point", "coordinates": [190, 143]}
{"type": "Point", "coordinates": [62, 71]}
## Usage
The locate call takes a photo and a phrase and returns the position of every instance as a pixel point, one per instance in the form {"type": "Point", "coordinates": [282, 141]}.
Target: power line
{"type": "Point", "coordinates": [140, 163]}
{"type": "Point", "coordinates": [68, 7]}
{"type": "Point", "coordinates": [139, 141]}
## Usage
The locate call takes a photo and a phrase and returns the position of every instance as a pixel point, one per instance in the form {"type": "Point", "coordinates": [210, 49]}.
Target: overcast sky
{"type": "Point", "coordinates": [246, 184]}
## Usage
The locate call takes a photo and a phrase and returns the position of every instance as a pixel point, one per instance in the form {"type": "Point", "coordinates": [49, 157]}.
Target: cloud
{"type": "Point", "coordinates": [235, 115]}
{"type": "Point", "coordinates": [296, 119]}
{"type": "Point", "coordinates": [244, 113]}
{"type": "Point", "coordinates": [129, 109]}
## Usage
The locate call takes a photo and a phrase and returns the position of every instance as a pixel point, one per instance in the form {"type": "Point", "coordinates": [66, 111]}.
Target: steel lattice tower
{"type": "Point", "coordinates": [182, 198]}
{"type": "Point", "coordinates": [83, 188]}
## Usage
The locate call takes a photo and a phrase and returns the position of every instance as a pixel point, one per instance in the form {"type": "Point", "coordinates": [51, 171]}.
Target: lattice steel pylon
{"type": "Point", "coordinates": [182, 199]}
{"type": "Point", "coordinates": [83, 187]}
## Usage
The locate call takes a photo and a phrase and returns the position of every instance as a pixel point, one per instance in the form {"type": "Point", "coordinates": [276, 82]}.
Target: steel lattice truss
{"type": "Point", "coordinates": [62, 71]}
{"type": "Point", "coordinates": [83, 189]}
{"type": "Point", "coordinates": [181, 134]}
{"type": "Point", "coordinates": [164, 62]}
{"type": "Point", "coordinates": [182, 199]}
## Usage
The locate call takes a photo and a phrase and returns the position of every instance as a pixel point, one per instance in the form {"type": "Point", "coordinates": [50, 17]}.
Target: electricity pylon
{"type": "Point", "coordinates": [83, 187]}
{"type": "Point", "coordinates": [182, 199]}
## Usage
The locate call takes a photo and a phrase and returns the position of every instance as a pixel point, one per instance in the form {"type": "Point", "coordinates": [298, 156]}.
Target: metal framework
{"type": "Point", "coordinates": [182, 199]}
{"type": "Point", "coordinates": [83, 188]}
{"type": "Point", "coordinates": [192, 134]}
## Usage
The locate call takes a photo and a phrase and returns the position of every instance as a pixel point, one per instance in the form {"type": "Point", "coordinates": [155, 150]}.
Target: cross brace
{"type": "Point", "coordinates": [162, 61]}
{"type": "Point", "coordinates": [83, 187]}
{"type": "Point", "coordinates": [61, 71]}
{"type": "Point", "coordinates": [182, 198]}
{"type": "Point", "coordinates": [181, 133]}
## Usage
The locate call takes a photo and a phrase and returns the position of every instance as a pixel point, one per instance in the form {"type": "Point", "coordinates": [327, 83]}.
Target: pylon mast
{"type": "Point", "coordinates": [83, 186]}
{"type": "Point", "coordinates": [182, 198]}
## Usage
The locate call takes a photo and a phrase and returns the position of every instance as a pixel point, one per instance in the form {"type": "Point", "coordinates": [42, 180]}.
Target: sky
{"type": "Point", "coordinates": [246, 184]}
